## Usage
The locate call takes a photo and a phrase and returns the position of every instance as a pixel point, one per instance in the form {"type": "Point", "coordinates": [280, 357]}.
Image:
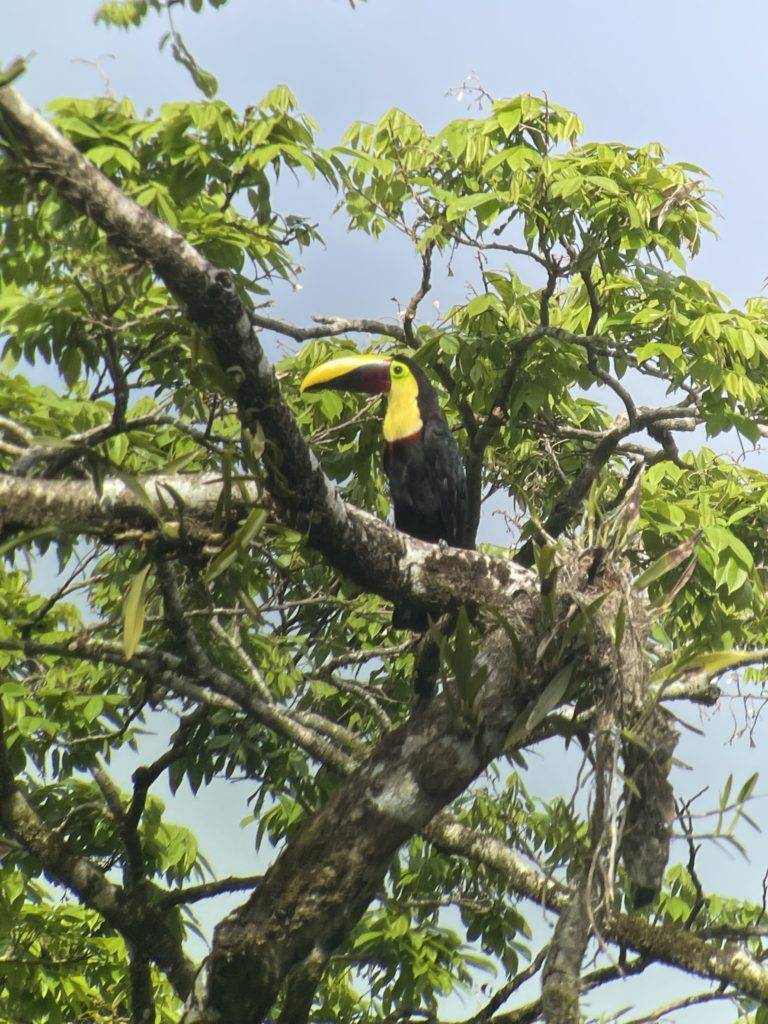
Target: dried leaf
{"type": "Point", "coordinates": [668, 561]}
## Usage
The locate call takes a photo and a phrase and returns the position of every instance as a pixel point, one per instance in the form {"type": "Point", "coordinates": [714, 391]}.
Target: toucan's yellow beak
{"type": "Point", "coordinates": [350, 373]}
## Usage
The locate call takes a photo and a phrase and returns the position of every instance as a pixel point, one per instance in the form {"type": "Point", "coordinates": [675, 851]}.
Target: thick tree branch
{"type": "Point", "coordinates": [142, 992]}
{"type": "Point", "coordinates": [433, 575]}
{"type": "Point", "coordinates": [116, 509]}
{"type": "Point", "coordinates": [667, 944]}
{"type": "Point", "coordinates": [301, 986]}
{"type": "Point", "coordinates": [562, 971]}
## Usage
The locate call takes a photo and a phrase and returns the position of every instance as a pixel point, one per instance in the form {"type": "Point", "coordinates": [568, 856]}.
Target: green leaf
{"type": "Point", "coordinates": [551, 696]}
{"type": "Point", "coordinates": [462, 655]}
{"type": "Point", "coordinates": [134, 609]}
{"type": "Point", "coordinates": [636, 740]}
{"type": "Point", "coordinates": [24, 537]}
{"type": "Point", "coordinates": [545, 560]}
{"type": "Point", "coordinates": [137, 489]}
{"type": "Point", "coordinates": [710, 665]}
{"type": "Point", "coordinates": [253, 524]}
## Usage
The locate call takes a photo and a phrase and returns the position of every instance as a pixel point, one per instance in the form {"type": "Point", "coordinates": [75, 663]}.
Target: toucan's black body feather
{"type": "Point", "coordinates": [427, 483]}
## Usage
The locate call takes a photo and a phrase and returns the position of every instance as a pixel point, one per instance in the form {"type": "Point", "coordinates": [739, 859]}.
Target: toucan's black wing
{"type": "Point", "coordinates": [447, 479]}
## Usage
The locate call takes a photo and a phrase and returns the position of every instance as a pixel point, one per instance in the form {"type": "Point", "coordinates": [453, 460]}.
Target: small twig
{"type": "Point", "coordinates": [328, 327]}
{"type": "Point", "coordinates": [503, 994]}
{"type": "Point", "coordinates": [686, 823]}
{"type": "Point", "coordinates": [97, 66]}
{"type": "Point", "coordinates": [207, 890]}
{"type": "Point", "coordinates": [145, 775]}
{"type": "Point", "coordinates": [679, 1004]}
{"type": "Point", "coordinates": [254, 673]}
{"type": "Point", "coordinates": [361, 691]}
{"type": "Point", "coordinates": [413, 305]}
{"type": "Point", "coordinates": [134, 863]}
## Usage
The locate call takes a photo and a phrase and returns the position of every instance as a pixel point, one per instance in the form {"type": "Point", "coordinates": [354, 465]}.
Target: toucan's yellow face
{"type": "Point", "coordinates": [374, 375]}
{"type": "Point", "coordinates": [403, 417]}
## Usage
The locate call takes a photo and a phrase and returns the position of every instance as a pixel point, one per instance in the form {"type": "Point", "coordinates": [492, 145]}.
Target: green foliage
{"type": "Point", "coordinates": [58, 963]}
{"type": "Point", "coordinates": [458, 653]}
{"type": "Point", "coordinates": [196, 165]}
{"type": "Point", "coordinates": [127, 14]}
{"type": "Point", "coordinates": [139, 394]}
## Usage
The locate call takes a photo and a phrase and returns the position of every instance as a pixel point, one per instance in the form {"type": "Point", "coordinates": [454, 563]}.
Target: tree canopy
{"type": "Point", "coordinates": [224, 564]}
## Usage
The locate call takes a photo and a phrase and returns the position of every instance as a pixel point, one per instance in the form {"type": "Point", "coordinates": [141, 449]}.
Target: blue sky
{"type": "Point", "coordinates": [689, 75]}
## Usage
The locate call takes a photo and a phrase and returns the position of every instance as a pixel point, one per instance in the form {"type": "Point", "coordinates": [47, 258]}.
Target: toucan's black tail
{"type": "Point", "coordinates": [410, 616]}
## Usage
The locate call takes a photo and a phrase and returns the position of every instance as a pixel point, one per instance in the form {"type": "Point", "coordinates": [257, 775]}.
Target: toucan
{"type": "Point", "coordinates": [427, 481]}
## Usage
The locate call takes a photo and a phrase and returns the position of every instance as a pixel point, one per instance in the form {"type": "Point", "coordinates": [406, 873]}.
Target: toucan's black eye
{"type": "Point", "coordinates": [398, 370]}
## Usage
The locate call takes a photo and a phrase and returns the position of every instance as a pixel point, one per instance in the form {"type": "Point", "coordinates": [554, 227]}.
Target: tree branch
{"type": "Point", "coordinates": [328, 327]}
{"type": "Point", "coordinates": [204, 891]}
{"type": "Point", "coordinates": [503, 994]}
{"type": "Point", "coordinates": [667, 944]}
{"type": "Point", "coordinates": [133, 871]}
{"type": "Point", "coordinates": [392, 564]}
{"type": "Point", "coordinates": [145, 775]}
{"type": "Point", "coordinates": [142, 992]}
{"type": "Point", "coordinates": [116, 509]}
{"type": "Point", "coordinates": [424, 286]}
{"type": "Point", "coordinates": [358, 545]}
{"type": "Point", "coordinates": [662, 1012]}
{"type": "Point", "coordinates": [133, 915]}
{"type": "Point", "coordinates": [532, 1011]}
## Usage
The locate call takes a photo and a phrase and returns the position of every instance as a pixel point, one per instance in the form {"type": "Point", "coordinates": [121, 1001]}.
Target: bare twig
{"type": "Point", "coordinates": [328, 327]}
{"type": "Point", "coordinates": [207, 890]}
{"type": "Point", "coordinates": [413, 305]}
